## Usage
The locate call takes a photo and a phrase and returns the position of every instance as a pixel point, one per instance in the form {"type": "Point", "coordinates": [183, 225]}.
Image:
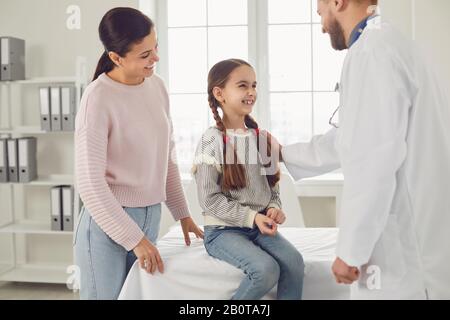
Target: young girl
{"type": "Point", "coordinates": [124, 168]}
{"type": "Point", "coordinates": [238, 194]}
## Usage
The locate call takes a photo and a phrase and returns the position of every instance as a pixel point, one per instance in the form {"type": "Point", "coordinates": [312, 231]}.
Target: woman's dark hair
{"type": "Point", "coordinates": [234, 175]}
{"type": "Point", "coordinates": [119, 29]}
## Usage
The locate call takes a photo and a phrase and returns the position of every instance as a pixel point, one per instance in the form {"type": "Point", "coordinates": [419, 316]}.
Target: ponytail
{"type": "Point", "coordinates": [119, 29]}
{"type": "Point", "coordinates": [104, 65]}
{"type": "Point", "coordinates": [233, 173]}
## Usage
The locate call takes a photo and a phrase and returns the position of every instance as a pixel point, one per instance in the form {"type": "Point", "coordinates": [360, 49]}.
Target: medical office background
{"type": "Point", "coordinates": [297, 74]}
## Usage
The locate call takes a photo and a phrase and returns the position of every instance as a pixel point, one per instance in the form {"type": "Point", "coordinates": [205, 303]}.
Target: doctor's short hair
{"type": "Point", "coordinates": [371, 2]}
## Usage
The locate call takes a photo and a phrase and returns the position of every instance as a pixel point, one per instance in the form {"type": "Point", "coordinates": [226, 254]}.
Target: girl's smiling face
{"type": "Point", "coordinates": [238, 96]}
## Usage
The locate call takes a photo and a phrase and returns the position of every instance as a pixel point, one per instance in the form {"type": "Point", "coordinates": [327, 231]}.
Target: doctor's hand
{"type": "Point", "coordinates": [344, 273]}
{"type": "Point", "coordinates": [188, 225]}
{"type": "Point", "coordinates": [277, 215]}
{"type": "Point", "coordinates": [148, 256]}
{"type": "Point", "coordinates": [265, 224]}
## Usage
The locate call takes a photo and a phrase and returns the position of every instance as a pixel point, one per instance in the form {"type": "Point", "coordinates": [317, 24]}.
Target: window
{"type": "Point", "coordinates": [296, 67]}
{"type": "Point", "coordinates": [303, 71]}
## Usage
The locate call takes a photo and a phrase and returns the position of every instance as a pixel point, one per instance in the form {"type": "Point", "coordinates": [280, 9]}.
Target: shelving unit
{"type": "Point", "coordinates": [36, 273]}
{"type": "Point", "coordinates": [31, 130]}
{"type": "Point", "coordinates": [31, 227]}
{"type": "Point", "coordinates": [29, 250]}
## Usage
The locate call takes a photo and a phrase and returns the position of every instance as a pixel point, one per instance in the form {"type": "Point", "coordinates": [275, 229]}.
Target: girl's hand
{"type": "Point", "coordinates": [188, 225]}
{"type": "Point", "coordinates": [277, 215]}
{"type": "Point", "coordinates": [148, 256]}
{"type": "Point", "coordinates": [265, 224]}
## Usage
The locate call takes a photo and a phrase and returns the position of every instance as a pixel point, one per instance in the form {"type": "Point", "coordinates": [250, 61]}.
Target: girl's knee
{"type": "Point", "coordinates": [300, 263]}
{"type": "Point", "coordinates": [266, 273]}
{"type": "Point", "coordinates": [294, 261]}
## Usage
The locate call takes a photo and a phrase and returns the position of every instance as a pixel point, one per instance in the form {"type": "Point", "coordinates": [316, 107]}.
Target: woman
{"type": "Point", "coordinates": [125, 159]}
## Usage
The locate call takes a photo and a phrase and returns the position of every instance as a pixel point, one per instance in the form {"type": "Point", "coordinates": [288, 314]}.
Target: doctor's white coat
{"type": "Point", "coordinates": [393, 145]}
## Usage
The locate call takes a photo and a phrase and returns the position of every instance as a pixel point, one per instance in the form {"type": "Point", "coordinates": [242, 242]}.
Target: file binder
{"type": "Point", "coordinates": [68, 105]}
{"type": "Point", "coordinates": [12, 58]}
{"type": "Point", "coordinates": [27, 159]}
{"type": "Point", "coordinates": [67, 205]}
{"type": "Point", "coordinates": [55, 108]}
{"type": "Point", "coordinates": [13, 172]}
{"type": "Point", "coordinates": [56, 198]}
{"type": "Point", "coordinates": [44, 100]}
{"type": "Point", "coordinates": [3, 161]}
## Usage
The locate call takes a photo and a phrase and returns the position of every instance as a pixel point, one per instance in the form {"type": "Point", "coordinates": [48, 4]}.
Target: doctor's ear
{"type": "Point", "coordinates": [217, 92]}
{"type": "Point", "coordinates": [341, 5]}
{"type": "Point", "coordinates": [116, 59]}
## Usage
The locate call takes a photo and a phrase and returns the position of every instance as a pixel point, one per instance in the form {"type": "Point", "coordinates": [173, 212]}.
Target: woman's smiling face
{"type": "Point", "coordinates": [140, 61]}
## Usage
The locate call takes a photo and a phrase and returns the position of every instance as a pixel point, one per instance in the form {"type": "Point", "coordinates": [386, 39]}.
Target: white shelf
{"type": "Point", "coordinates": [31, 130]}
{"type": "Point", "coordinates": [4, 268]}
{"type": "Point", "coordinates": [36, 273]}
{"type": "Point", "coordinates": [6, 130]}
{"type": "Point", "coordinates": [33, 227]}
{"type": "Point", "coordinates": [48, 181]}
{"type": "Point", "coordinates": [53, 180]}
{"type": "Point", "coordinates": [43, 80]}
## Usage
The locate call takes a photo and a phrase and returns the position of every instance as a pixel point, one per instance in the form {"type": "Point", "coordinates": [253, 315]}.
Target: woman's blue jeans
{"type": "Point", "coordinates": [104, 264]}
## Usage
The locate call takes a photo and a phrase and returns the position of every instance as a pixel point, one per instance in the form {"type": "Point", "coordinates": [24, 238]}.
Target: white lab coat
{"type": "Point", "coordinates": [393, 145]}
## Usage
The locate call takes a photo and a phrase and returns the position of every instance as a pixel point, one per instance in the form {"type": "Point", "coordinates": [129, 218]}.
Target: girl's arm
{"type": "Point", "coordinates": [214, 202]}
{"type": "Point", "coordinates": [275, 201]}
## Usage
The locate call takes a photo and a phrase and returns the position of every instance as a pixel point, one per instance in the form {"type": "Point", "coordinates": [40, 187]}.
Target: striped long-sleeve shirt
{"type": "Point", "coordinates": [125, 155]}
{"type": "Point", "coordinates": [234, 207]}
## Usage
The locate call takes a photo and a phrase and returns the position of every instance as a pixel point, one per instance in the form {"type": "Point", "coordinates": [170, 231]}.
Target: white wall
{"type": "Point", "coordinates": [427, 22]}
{"type": "Point", "coordinates": [432, 26]}
{"type": "Point", "coordinates": [51, 49]}
{"type": "Point", "coordinates": [399, 13]}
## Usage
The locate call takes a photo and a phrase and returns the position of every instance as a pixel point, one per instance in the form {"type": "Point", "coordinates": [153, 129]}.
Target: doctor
{"type": "Point", "coordinates": [393, 145]}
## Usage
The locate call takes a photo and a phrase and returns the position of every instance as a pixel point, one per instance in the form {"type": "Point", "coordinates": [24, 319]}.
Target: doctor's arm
{"type": "Point", "coordinates": [309, 159]}
{"type": "Point", "coordinates": [373, 149]}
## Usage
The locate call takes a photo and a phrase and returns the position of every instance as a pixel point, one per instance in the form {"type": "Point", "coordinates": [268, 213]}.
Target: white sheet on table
{"type": "Point", "coordinates": [190, 273]}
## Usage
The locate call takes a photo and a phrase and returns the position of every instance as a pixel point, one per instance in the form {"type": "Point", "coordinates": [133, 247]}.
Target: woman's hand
{"type": "Point", "coordinates": [277, 215]}
{"type": "Point", "coordinates": [188, 225]}
{"type": "Point", "coordinates": [148, 256]}
{"type": "Point", "coordinates": [265, 224]}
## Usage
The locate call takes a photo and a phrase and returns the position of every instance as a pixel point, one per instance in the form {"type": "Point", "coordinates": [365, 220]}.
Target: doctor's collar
{"type": "Point", "coordinates": [358, 30]}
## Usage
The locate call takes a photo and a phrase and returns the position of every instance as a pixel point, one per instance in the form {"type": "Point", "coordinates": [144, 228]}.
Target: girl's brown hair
{"type": "Point", "coordinates": [233, 173]}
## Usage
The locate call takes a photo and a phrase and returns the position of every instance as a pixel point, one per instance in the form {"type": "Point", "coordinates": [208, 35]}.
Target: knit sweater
{"type": "Point", "coordinates": [236, 208]}
{"type": "Point", "coordinates": [125, 155]}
